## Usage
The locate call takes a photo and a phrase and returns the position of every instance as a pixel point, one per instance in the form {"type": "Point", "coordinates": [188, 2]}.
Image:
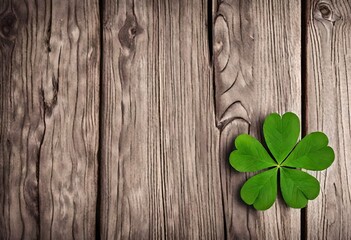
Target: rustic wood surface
{"type": "Point", "coordinates": [160, 168]}
{"type": "Point", "coordinates": [50, 61]}
{"type": "Point", "coordinates": [22, 124]}
{"type": "Point", "coordinates": [117, 116]}
{"type": "Point", "coordinates": [328, 108]}
{"type": "Point", "coordinates": [257, 71]}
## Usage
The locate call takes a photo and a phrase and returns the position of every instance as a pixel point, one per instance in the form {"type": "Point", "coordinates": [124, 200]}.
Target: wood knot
{"type": "Point", "coordinates": [129, 31]}
{"type": "Point", "coordinates": [8, 26]}
{"type": "Point", "coordinates": [323, 10]}
{"type": "Point", "coordinates": [221, 43]}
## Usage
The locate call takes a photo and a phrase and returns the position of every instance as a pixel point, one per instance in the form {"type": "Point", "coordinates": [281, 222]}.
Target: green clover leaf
{"type": "Point", "coordinates": [253, 156]}
{"type": "Point", "coordinates": [287, 157]}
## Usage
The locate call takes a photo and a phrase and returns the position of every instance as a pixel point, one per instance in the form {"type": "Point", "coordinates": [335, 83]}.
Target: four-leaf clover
{"type": "Point", "coordinates": [283, 163]}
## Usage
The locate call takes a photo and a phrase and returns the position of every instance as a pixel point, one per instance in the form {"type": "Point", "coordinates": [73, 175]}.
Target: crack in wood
{"type": "Point", "coordinates": [48, 31]}
{"type": "Point", "coordinates": [50, 103]}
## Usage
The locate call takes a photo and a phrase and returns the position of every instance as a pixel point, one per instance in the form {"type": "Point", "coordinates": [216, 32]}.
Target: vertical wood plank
{"type": "Point", "coordinates": [328, 110]}
{"type": "Point", "coordinates": [131, 188]}
{"type": "Point", "coordinates": [190, 138]}
{"type": "Point", "coordinates": [160, 168]}
{"type": "Point", "coordinates": [257, 71]}
{"type": "Point", "coordinates": [49, 118]}
{"type": "Point", "coordinates": [21, 123]}
{"type": "Point", "coordinates": [70, 92]}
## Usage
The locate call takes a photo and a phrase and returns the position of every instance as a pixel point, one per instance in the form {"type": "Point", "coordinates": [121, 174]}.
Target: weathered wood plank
{"type": "Point", "coordinates": [257, 71]}
{"type": "Point", "coordinates": [160, 167]}
{"type": "Point", "coordinates": [328, 110]}
{"type": "Point", "coordinates": [21, 123]}
{"type": "Point", "coordinates": [131, 191]}
{"type": "Point", "coordinates": [68, 158]}
{"type": "Point", "coordinates": [49, 118]}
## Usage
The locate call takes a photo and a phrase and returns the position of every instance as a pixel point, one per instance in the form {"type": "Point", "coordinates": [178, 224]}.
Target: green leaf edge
{"type": "Point", "coordinates": [231, 156]}
{"type": "Point", "coordinates": [253, 203]}
{"type": "Point", "coordinates": [269, 145]}
{"type": "Point", "coordinates": [281, 172]}
{"type": "Point", "coordinates": [284, 164]}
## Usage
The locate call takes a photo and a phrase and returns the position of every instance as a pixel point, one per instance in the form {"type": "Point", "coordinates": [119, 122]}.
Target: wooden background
{"type": "Point", "coordinates": [117, 116]}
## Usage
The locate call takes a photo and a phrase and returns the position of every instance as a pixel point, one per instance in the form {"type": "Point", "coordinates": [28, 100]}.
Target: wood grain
{"type": "Point", "coordinates": [179, 81]}
{"type": "Point", "coordinates": [160, 167]}
{"type": "Point", "coordinates": [257, 71]}
{"type": "Point", "coordinates": [49, 118]}
{"type": "Point", "coordinates": [21, 124]}
{"type": "Point", "coordinates": [328, 110]}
